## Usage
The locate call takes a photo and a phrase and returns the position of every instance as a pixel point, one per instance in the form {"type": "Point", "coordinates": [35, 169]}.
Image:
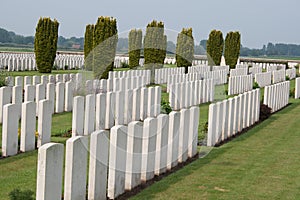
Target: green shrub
{"type": "Point", "coordinates": [134, 47]}
{"type": "Point", "coordinates": [185, 49]}
{"type": "Point", "coordinates": [165, 107]}
{"type": "Point", "coordinates": [124, 65]}
{"type": "Point", "coordinates": [17, 194]}
{"type": "Point", "coordinates": [45, 44]}
{"type": "Point", "coordinates": [232, 48]}
{"type": "Point", "coordinates": [292, 93]}
{"type": "Point", "coordinates": [287, 78]}
{"type": "Point", "coordinates": [255, 85]}
{"type": "Point", "coordinates": [155, 45]}
{"type": "Point", "coordinates": [105, 40]}
{"type": "Point", "coordinates": [3, 75]}
{"type": "Point", "coordinates": [214, 47]}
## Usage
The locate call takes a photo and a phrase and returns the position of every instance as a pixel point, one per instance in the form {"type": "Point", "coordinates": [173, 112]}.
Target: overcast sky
{"type": "Point", "coordinates": [259, 21]}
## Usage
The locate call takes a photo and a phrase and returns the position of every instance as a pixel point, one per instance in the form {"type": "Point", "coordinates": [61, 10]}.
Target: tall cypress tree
{"type": "Point", "coordinates": [185, 48]}
{"type": "Point", "coordinates": [134, 47]}
{"type": "Point", "coordinates": [232, 48]}
{"type": "Point", "coordinates": [155, 45]}
{"type": "Point", "coordinates": [45, 44]}
{"type": "Point", "coordinates": [104, 46]}
{"type": "Point", "coordinates": [88, 47]}
{"type": "Point", "coordinates": [214, 47]}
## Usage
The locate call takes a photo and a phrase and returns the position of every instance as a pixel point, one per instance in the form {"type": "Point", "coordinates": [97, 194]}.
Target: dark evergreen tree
{"type": "Point", "coordinates": [232, 48]}
{"type": "Point", "coordinates": [45, 44]}
{"type": "Point", "coordinates": [104, 46]}
{"type": "Point", "coordinates": [88, 47]}
{"type": "Point", "coordinates": [214, 47]}
{"type": "Point", "coordinates": [185, 48]}
{"type": "Point", "coordinates": [134, 47]}
{"type": "Point", "coordinates": [155, 46]}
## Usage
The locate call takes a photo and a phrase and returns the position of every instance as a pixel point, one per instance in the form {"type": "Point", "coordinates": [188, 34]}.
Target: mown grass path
{"type": "Point", "coordinates": [260, 164]}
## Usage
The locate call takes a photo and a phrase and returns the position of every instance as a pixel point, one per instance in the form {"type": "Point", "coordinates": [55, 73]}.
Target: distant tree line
{"type": "Point", "coordinates": [9, 37]}
{"type": "Point", "coordinates": [271, 49]}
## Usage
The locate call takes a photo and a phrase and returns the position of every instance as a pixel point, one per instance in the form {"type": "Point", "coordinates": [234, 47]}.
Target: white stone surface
{"type": "Point", "coordinates": [193, 131]}
{"type": "Point", "coordinates": [5, 98]}
{"type": "Point", "coordinates": [162, 144]}
{"type": "Point", "coordinates": [119, 114]}
{"type": "Point", "coordinates": [76, 168]}
{"type": "Point", "coordinates": [29, 94]}
{"type": "Point", "coordinates": [10, 130]}
{"type": "Point", "coordinates": [117, 161]}
{"type": "Point", "coordinates": [99, 147]}
{"type": "Point", "coordinates": [149, 149]}
{"type": "Point", "coordinates": [49, 171]}
{"type": "Point", "coordinates": [183, 135]}
{"type": "Point", "coordinates": [50, 95]}
{"type": "Point", "coordinates": [89, 116]}
{"type": "Point", "coordinates": [69, 87]}
{"type": "Point", "coordinates": [110, 111]}
{"type": "Point", "coordinates": [78, 116]}
{"type": "Point", "coordinates": [60, 97]}
{"type": "Point", "coordinates": [100, 111]}
{"type": "Point", "coordinates": [173, 139]}
{"type": "Point", "coordinates": [44, 122]}
{"type": "Point", "coordinates": [134, 155]}
{"type": "Point", "coordinates": [28, 126]}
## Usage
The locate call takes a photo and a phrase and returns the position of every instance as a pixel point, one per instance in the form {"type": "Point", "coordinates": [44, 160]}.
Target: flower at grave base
{"type": "Point", "coordinates": [36, 134]}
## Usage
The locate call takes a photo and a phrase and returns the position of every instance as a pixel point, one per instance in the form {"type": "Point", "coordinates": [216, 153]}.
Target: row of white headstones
{"type": "Point", "coordinates": [27, 62]}
{"type": "Point", "coordinates": [233, 115]}
{"type": "Point", "coordinates": [182, 95]}
{"type": "Point", "coordinates": [120, 159]}
{"type": "Point", "coordinates": [127, 164]}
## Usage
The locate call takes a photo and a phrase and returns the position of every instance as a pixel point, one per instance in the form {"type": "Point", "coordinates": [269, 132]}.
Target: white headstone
{"type": "Point", "coordinates": [162, 144]}
{"type": "Point", "coordinates": [117, 161]}
{"type": "Point", "coordinates": [69, 96]}
{"type": "Point", "coordinates": [149, 149]}
{"type": "Point", "coordinates": [76, 168]}
{"type": "Point", "coordinates": [60, 97]}
{"type": "Point", "coordinates": [78, 116]}
{"type": "Point", "coordinates": [10, 130]}
{"type": "Point", "coordinates": [89, 118]}
{"type": "Point", "coordinates": [49, 171]}
{"type": "Point", "coordinates": [173, 139]}
{"type": "Point", "coordinates": [28, 125]}
{"type": "Point", "coordinates": [5, 98]}
{"type": "Point", "coordinates": [100, 111]}
{"type": "Point", "coordinates": [134, 155]}
{"type": "Point", "coordinates": [44, 122]}
{"type": "Point", "coordinates": [99, 147]}
{"type": "Point", "coordinates": [29, 94]}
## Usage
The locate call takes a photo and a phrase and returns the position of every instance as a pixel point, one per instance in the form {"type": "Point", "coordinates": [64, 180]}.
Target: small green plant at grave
{"type": "Point", "coordinates": [255, 85]}
{"type": "Point", "coordinates": [17, 194]}
{"type": "Point", "coordinates": [287, 78]}
{"type": "Point", "coordinates": [55, 67]}
{"type": "Point", "coordinates": [165, 107]}
{"type": "Point", "coordinates": [124, 65]}
{"type": "Point", "coordinates": [292, 92]}
{"type": "Point", "coordinates": [202, 137]}
{"type": "Point", "coordinates": [3, 75]}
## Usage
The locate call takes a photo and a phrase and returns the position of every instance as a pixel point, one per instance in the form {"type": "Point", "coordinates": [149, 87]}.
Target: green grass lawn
{"type": "Point", "coordinates": [260, 164]}
{"type": "Point", "coordinates": [61, 124]}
